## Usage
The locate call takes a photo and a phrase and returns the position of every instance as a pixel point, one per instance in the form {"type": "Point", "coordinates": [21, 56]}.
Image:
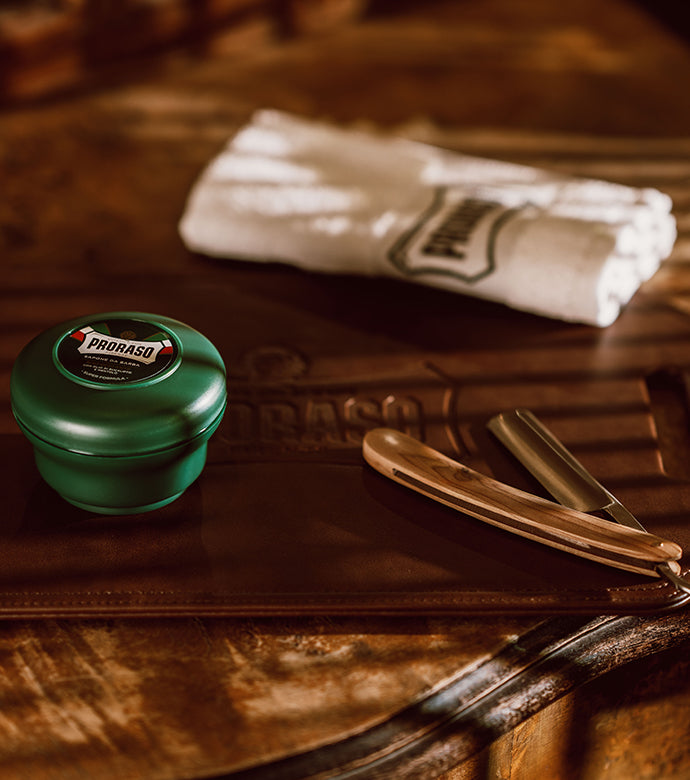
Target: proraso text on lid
{"type": "Point", "coordinates": [116, 351]}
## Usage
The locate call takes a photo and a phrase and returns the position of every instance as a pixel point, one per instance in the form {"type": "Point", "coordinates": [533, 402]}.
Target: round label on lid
{"type": "Point", "coordinates": [116, 352]}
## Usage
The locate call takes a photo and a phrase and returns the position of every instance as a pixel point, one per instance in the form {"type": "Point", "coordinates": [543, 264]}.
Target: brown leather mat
{"type": "Point", "coordinates": [287, 537]}
{"type": "Point", "coordinates": [288, 519]}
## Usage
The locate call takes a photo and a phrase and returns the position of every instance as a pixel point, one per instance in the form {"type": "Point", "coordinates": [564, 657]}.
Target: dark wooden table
{"type": "Point", "coordinates": [93, 181]}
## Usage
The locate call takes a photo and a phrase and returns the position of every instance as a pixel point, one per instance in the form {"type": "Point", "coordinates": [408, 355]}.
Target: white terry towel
{"type": "Point", "coordinates": [335, 200]}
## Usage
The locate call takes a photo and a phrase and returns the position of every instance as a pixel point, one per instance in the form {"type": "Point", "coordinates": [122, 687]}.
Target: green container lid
{"type": "Point", "coordinates": [119, 408]}
{"type": "Point", "coordinates": [118, 384]}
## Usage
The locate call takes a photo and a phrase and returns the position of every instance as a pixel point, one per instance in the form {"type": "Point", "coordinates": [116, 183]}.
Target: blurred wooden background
{"type": "Point", "coordinates": [48, 48]}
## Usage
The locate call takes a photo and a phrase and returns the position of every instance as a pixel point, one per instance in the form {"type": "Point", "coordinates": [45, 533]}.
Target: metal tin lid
{"type": "Point", "coordinates": [118, 384]}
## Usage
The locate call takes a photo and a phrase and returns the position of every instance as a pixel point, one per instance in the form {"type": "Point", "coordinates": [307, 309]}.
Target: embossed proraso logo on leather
{"type": "Point", "coordinates": [275, 406]}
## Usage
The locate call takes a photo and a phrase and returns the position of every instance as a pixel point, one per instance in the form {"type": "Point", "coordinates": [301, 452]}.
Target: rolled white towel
{"type": "Point", "coordinates": [335, 200]}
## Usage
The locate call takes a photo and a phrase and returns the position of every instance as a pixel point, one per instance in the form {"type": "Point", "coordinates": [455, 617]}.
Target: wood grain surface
{"type": "Point", "coordinates": [93, 184]}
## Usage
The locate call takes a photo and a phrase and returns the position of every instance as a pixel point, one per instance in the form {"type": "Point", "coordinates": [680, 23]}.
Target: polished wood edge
{"type": "Point", "coordinates": [457, 720]}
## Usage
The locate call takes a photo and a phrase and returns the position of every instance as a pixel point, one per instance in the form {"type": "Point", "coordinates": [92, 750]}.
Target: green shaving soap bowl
{"type": "Point", "coordinates": [119, 408]}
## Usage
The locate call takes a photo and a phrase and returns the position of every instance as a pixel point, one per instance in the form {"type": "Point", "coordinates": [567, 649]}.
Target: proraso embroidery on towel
{"type": "Point", "coordinates": [454, 237]}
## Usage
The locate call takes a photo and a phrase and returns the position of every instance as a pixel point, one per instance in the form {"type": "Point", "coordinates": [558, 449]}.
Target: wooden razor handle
{"type": "Point", "coordinates": [433, 474]}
